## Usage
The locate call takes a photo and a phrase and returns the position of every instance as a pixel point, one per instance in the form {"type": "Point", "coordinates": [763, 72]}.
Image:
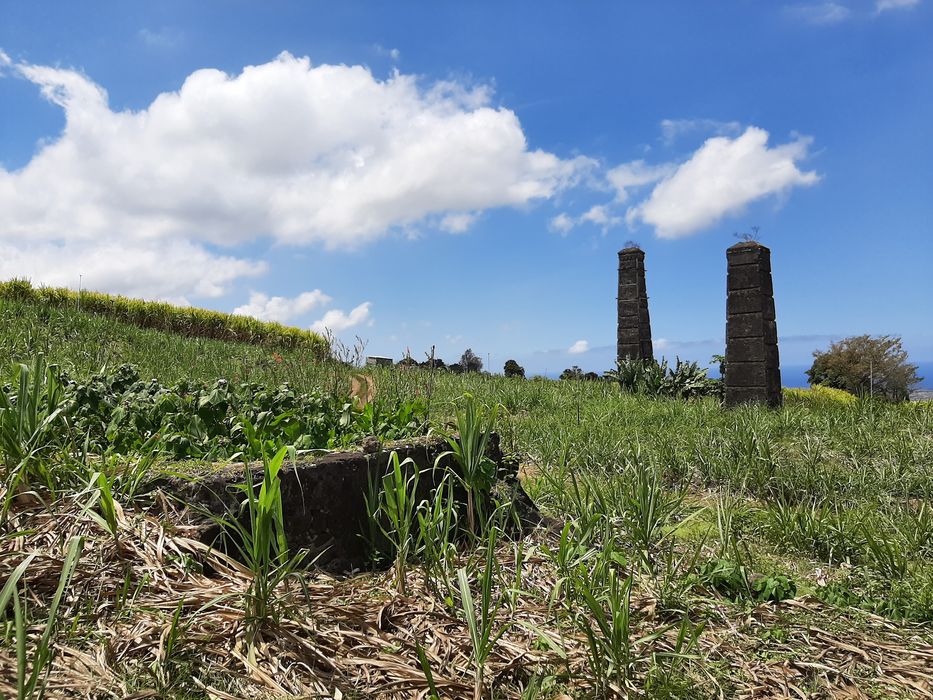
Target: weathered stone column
{"type": "Point", "coordinates": [634, 330]}
{"type": "Point", "coordinates": [753, 372]}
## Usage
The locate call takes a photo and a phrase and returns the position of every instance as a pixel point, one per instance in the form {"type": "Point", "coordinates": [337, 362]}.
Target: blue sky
{"type": "Point", "coordinates": [462, 175]}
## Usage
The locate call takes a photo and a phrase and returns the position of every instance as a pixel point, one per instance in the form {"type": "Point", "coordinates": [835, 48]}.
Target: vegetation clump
{"type": "Point", "coordinates": [513, 369]}
{"type": "Point", "coordinates": [120, 412]}
{"type": "Point", "coordinates": [866, 365]}
{"type": "Point", "coordinates": [685, 380]}
{"type": "Point", "coordinates": [818, 395]}
{"type": "Point", "coordinates": [470, 362]}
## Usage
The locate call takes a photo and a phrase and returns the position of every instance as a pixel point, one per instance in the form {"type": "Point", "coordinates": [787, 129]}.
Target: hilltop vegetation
{"type": "Point", "coordinates": [180, 320]}
{"type": "Point", "coordinates": [693, 552]}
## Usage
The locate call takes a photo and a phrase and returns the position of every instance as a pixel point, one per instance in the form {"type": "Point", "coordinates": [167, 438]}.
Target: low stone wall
{"type": "Point", "coordinates": [324, 498]}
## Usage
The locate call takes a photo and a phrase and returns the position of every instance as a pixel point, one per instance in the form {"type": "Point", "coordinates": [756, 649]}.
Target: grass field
{"type": "Point", "coordinates": [693, 552]}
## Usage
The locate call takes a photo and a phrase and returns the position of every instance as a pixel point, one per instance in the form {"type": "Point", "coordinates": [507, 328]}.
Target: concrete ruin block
{"type": "Point", "coordinates": [753, 373]}
{"type": "Point", "coordinates": [749, 325]}
{"type": "Point", "coordinates": [324, 497]}
{"type": "Point", "coordinates": [751, 350]}
{"type": "Point", "coordinates": [634, 324]}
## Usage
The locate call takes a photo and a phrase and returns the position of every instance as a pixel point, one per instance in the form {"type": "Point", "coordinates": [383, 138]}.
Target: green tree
{"type": "Point", "coordinates": [513, 369]}
{"type": "Point", "coordinates": [866, 365]}
{"type": "Point", "coordinates": [470, 361]}
{"type": "Point", "coordinates": [572, 373]}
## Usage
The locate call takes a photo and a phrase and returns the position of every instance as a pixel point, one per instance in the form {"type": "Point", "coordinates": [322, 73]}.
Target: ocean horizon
{"type": "Point", "coordinates": [795, 376]}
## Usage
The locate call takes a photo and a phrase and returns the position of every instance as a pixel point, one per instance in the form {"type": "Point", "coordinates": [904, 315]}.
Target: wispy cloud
{"type": "Point", "coordinates": [885, 5]}
{"type": "Point", "coordinates": [579, 347]}
{"type": "Point", "coordinates": [599, 215]}
{"type": "Point", "coordinates": [562, 223]}
{"type": "Point", "coordinates": [394, 54]}
{"type": "Point", "coordinates": [458, 222]}
{"type": "Point", "coordinates": [830, 12]}
{"type": "Point", "coordinates": [623, 178]}
{"type": "Point", "coordinates": [819, 13]}
{"type": "Point", "coordinates": [164, 38]}
{"type": "Point", "coordinates": [674, 129]}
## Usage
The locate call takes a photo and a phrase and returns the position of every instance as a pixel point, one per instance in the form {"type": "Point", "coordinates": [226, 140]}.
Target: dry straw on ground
{"type": "Point", "coordinates": [353, 637]}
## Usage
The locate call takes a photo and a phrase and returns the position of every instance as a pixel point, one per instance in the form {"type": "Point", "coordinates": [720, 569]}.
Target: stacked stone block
{"type": "Point", "coordinates": [753, 373]}
{"type": "Point", "coordinates": [634, 329]}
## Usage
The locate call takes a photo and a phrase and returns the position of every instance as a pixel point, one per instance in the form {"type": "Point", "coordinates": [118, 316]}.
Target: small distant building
{"type": "Point", "coordinates": [379, 360]}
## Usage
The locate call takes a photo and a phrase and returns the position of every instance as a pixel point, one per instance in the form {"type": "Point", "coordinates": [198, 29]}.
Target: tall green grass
{"type": "Point", "coordinates": [832, 482]}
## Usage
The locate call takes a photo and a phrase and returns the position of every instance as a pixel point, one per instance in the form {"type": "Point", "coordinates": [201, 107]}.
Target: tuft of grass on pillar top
{"type": "Point", "coordinates": [181, 320]}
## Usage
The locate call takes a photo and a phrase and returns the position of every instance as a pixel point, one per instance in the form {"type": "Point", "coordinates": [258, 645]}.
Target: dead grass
{"type": "Point", "coordinates": [354, 637]}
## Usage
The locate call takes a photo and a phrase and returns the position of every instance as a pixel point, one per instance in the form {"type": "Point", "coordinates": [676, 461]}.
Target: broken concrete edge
{"type": "Point", "coordinates": [324, 497]}
{"type": "Point", "coordinates": [202, 471]}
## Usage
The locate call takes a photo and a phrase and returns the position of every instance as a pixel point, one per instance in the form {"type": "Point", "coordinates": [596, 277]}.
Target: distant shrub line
{"type": "Point", "coordinates": [186, 321]}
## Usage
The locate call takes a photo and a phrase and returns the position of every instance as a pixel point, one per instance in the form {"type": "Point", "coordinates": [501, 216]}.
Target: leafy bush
{"type": "Point", "coordinates": [732, 580]}
{"type": "Point", "coordinates": [866, 365]}
{"type": "Point", "coordinates": [191, 322]}
{"type": "Point", "coordinates": [121, 413]}
{"type": "Point", "coordinates": [651, 378]}
{"type": "Point", "coordinates": [513, 369]}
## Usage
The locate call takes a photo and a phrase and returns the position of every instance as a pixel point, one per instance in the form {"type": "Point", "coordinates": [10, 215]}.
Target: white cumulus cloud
{"type": "Point", "coordinates": [336, 321]}
{"type": "Point", "coordinates": [579, 347]}
{"type": "Point", "coordinates": [721, 178]}
{"type": "Point", "coordinates": [171, 270]}
{"type": "Point", "coordinates": [266, 308]}
{"type": "Point", "coordinates": [301, 154]}
{"type": "Point", "coordinates": [304, 153]}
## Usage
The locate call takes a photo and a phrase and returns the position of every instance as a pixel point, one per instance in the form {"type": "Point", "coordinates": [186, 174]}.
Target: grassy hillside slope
{"type": "Point", "coordinates": [707, 553]}
{"type": "Point", "coordinates": [182, 320]}
{"type": "Point", "coordinates": [83, 343]}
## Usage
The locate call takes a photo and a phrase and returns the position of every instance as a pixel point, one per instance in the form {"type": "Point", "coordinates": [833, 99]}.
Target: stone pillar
{"type": "Point", "coordinates": [634, 329]}
{"type": "Point", "coordinates": [753, 372]}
